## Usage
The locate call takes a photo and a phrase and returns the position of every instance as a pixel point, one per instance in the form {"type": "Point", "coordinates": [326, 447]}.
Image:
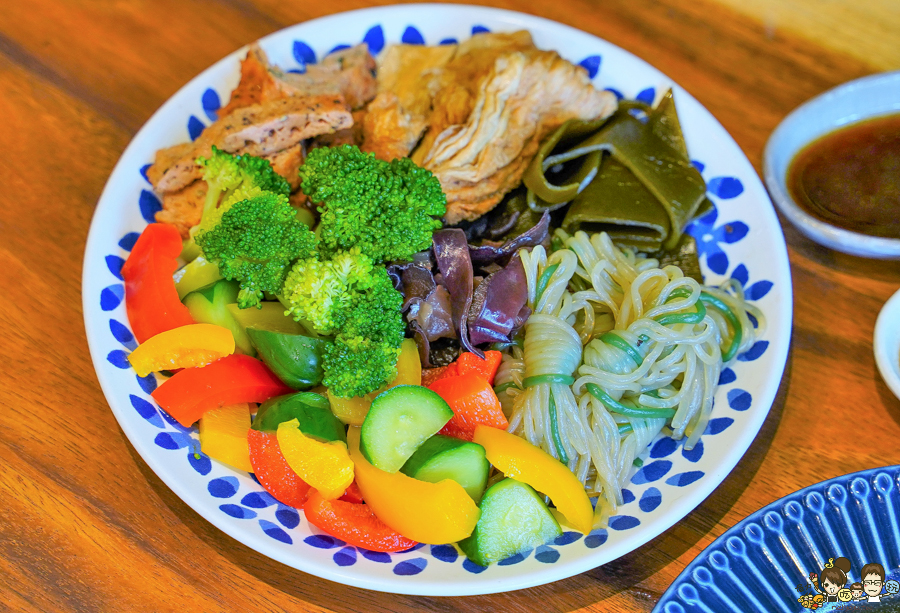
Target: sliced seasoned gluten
{"type": "Point", "coordinates": [349, 72]}
{"type": "Point", "coordinates": [259, 129]}
{"type": "Point", "coordinates": [522, 98]}
{"type": "Point", "coordinates": [397, 117]}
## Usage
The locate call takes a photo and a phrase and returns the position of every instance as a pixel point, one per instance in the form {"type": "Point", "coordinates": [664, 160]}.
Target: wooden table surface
{"type": "Point", "coordinates": [87, 526]}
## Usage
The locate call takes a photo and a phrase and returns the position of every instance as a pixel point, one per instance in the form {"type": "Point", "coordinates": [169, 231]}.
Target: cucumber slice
{"type": "Point", "coordinates": [513, 519]}
{"type": "Point", "coordinates": [311, 411]}
{"type": "Point", "coordinates": [398, 422]}
{"type": "Point", "coordinates": [210, 306]}
{"type": "Point", "coordinates": [444, 457]}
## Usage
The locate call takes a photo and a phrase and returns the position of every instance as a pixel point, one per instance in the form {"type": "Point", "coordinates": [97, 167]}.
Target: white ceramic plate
{"type": "Point", "coordinates": [740, 239]}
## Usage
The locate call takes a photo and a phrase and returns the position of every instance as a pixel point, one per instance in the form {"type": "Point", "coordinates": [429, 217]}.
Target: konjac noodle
{"type": "Point", "coordinates": [617, 351]}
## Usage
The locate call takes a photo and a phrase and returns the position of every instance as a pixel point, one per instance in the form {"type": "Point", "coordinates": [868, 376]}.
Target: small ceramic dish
{"type": "Point", "coordinates": [848, 103]}
{"type": "Point", "coordinates": [887, 343]}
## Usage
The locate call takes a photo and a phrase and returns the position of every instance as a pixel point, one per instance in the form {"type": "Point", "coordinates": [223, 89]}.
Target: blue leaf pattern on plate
{"type": "Point", "coordinates": [122, 334]}
{"type": "Point", "coordinates": [304, 54]}
{"type": "Point", "coordinates": [111, 297]}
{"type": "Point", "coordinates": [345, 557]}
{"type": "Point", "coordinates": [546, 554]}
{"type": "Point", "coordinates": [411, 36]}
{"type": "Point", "coordinates": [287, 517]}
{"type": "Point", "coordinates": [118, 358]}
{"type": "Point", "coordinates": [211, 104]}
{"type": "Point", "coordinates": [718, 424]}
{"type": "Point", "coordinates": [623, 522]}
{"type": "Point", "coordinates": [374, 38]}
{"type": "Point", "coordinates": [693, 455]}
{"type": "Point", "coordinates": [146, 410]}
{"type": "Point", "coordinates": [725, 187]}
{"type": "Point", "coordinates": [323, 541]}
{"type": "Point", "coordinates": [739, 400]}
{"type": "Point", "coordinates": [114, 263]}
{"type": "Point", "coordinates": [376, 556]}
{"type": "Point", "coordinates": [195, 127]}
{"type": "Point", "coordinates": [223, 487]}
{"type": "Point", "coordinates": [650, 499]}
{"type": "Point", "coordinates": [444, 553]}
{"type": "Point", "coordinates": [647, 96]}
{"type": "Point", "coordinates": [755, 352]}
{"type": "Point", "coordinates": [411, 567]}
{"type": "Point", "coordinates": [479, 30]}
{"type": "Point", "coordinates": [199, 462]}
{"type": "Point", "coordinates": [148, 383]}
{"type": "Point", "coordinates": [472, 567]}
{"type": "Point", "coordinates": [275, 532]}
{"type": "Point", "coordinates": [727, 376]}
{"type": "Point", "coordinates": [127, 242]}
{"type": "Point", "coordinates": [149, 205]}
{"type": "Point", "coordinates": [592, 64]}
{"type": "Point", "coordinates": [596, 538]}
{"type": "Point", "coordinates": [237, 511]}
{"type": "Point", "coordinates": [686, 478]}
{"type": "Point", "coordinates": [652, 472]}
{"type": "Point", "coordinates": [663, 447]}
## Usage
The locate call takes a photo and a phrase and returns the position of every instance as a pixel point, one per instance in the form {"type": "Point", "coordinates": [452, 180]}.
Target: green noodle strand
{"type": "Point", "coordinates": [625, 429]}
{"type": "Point", "coordinates": [682, 318]}
{"type": "Point", "coordinates": [621, 409]}
{"type": "Point", "coordinates": [543, 282]}
{"type": "Point", "coordinates": [731, 318]}
{"type": "Point", "coordinates": [554, 432]}
{"type": "Point", "coordinates": [503, 387]}
{"type": "Point", "coordinates": [611, 338]}
{"type": "Point", "coordinates": [538, 379]}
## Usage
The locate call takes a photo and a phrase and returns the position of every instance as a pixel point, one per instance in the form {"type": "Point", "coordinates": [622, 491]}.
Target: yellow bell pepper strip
{"type": "Point", "coordinates": [353, 411]}
{"type": "Point", "coordinates": [184, 347]}
{"type": "Point", "coordinates": [326, 467]}
{"type": "Point", "coordinates": [517, 458]}
{"type": "Point", "coordinates": [191, 392]}
{"type": "Point", "coordinates": [223, 435]}
{"type": "Point", "coordinates": [432, 513]}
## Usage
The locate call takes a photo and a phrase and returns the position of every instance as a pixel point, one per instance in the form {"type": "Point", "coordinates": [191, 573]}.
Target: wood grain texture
{"type": "Point", "coordinates": [88, 527]}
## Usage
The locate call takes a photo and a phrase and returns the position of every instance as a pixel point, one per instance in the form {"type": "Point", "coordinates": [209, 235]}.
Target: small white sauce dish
{"type": "Point", "coordinates": [851, 102]}
{"type": "Point", "coordinates": [887, 343]}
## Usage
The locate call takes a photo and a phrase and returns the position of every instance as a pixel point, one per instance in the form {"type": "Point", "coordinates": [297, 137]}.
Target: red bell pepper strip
{"type": "Point", "coordinates": [430, 375]}
{"type": "Point", "coordinates": [189, 393]}
{"type": "Point", "coordinates": [473, 402]}
{"type": "Point", "coordinates": [354, 524]}
{"type": "Point", "coordinates": [272, 470]}
{"type": "Point", "coordinates": [151, 299]}
{"type": "Point", "coordinates": [487, 367]}
{"type": "Point", "coordinates": [352, 494]}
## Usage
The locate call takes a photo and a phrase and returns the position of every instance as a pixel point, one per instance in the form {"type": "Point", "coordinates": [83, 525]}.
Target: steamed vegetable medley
{"type": "Point", "coordinates": [304, 329]}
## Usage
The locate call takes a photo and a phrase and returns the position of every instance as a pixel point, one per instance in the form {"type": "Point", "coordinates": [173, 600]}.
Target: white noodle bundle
{"type": "Point", "coordinates": [647, 344]}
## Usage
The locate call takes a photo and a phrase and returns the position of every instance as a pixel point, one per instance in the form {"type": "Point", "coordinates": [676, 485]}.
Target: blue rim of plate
{"type": "Point", "coordinates": [760, 563]}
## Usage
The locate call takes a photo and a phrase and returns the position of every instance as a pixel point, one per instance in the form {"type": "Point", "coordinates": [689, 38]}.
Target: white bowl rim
{"type": "Point", "coordinates": [887, 343]}
{"type": "Point", "coordinates": [832, 236]}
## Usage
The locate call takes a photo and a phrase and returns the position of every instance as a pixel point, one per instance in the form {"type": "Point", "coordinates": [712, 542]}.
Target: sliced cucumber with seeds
{"type": "Point", "coordinates": [444, 457]}
{"type": "Point", "coordinates": [513, 519]}
{"type": "Point", "coordinates": [398, 422]}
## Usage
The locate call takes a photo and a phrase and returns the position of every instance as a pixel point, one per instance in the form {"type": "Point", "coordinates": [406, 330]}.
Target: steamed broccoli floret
{"type": "Point", "coordinates": [255, 241]}
{"type": "Point", "coordinates": [232, 178]}
{"type": "Point", "coordinates": [387, 210]}
{"type": "Point", "coordinates": [354, 299]}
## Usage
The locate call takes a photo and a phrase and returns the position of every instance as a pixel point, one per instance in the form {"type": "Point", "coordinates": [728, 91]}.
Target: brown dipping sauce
{"type": "Point", "coordinates": [851, 177]}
